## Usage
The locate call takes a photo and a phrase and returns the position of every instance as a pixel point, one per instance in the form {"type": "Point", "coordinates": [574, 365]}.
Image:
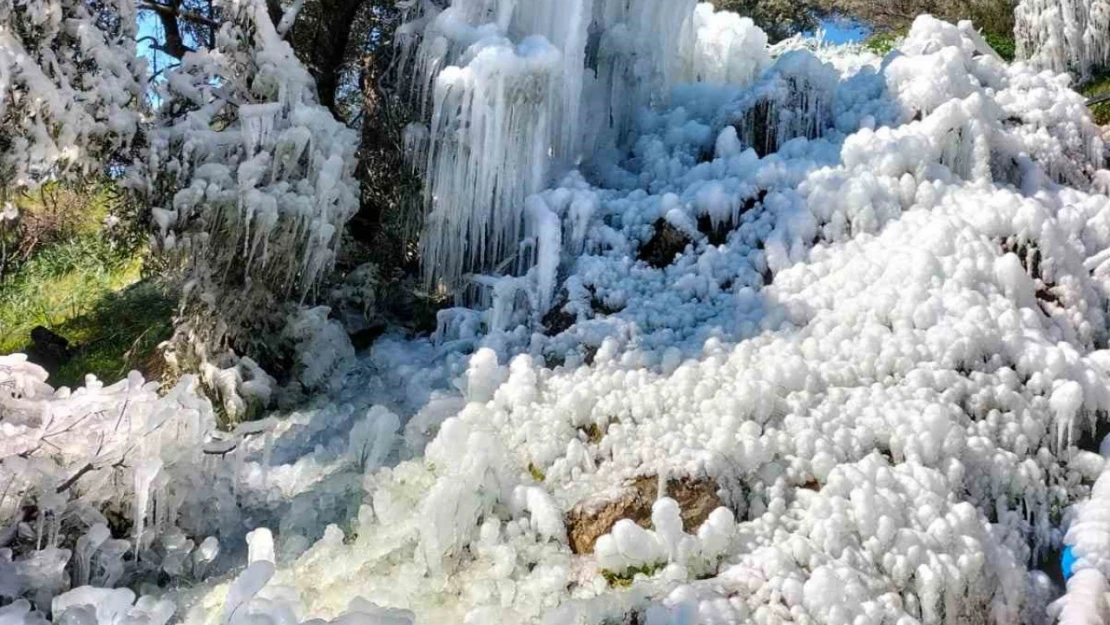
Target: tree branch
{"type": "Point", "coordinates": [176, 12]}
{"type": "Point", "coordinates": [168, 15]}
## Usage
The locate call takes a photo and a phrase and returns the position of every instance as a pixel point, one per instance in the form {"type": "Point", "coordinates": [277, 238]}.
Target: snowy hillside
{"type": "Point", "coordinates": [746, 335]}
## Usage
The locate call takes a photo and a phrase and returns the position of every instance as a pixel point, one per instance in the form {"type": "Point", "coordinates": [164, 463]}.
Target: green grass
{"type": "Point", "coordinates": [91, 293]}
{"type": "Point", "coordinates": [1099, 86]}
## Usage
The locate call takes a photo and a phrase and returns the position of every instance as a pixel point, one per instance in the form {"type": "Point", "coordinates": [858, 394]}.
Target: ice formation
{"type": "Point", "coordinates": [509, 112]}
{"type": "Point", "coordinates": [1089, 536]}
{"type": "Point", "coordinates": [872, 325]}
{"type": "Point", "coordinates": [890, 363]}
{"type": "Point", "coordinates": [252, 181]}
{"type": "Point", "coordinates": [1064, 35]}
{"type": "Point", "coordinates": [70, 457]}
{"type": "Point", "coordinates": [69, 83]}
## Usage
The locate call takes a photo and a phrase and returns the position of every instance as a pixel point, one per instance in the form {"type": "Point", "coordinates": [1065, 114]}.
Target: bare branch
{"type": "Point", "coordinates": [176, 12]}
{"type": "Point", "coordinates": [66, 485]}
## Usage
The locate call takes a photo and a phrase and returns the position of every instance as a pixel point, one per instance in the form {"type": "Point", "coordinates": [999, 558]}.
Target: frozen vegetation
{"type": "Point", "coordinates": [858, 303]}
{"type": "Point", "coordinates": [1065, 35]}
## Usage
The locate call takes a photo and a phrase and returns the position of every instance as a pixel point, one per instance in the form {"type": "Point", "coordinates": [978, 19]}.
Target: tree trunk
{"type": "Point", "coordinates": [329, 47]}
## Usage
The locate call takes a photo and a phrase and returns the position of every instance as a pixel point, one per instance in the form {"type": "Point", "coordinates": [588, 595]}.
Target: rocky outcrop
{"type": "Point", "coordinates": [594, 517]}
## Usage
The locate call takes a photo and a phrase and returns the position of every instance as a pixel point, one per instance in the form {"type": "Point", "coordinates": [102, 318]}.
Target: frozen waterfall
{"type": "Point", "coordinates": [518, 93]}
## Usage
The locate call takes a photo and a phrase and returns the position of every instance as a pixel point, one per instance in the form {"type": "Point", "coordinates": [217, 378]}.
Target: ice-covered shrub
{"type": "Point", "coordinates": [75, 461]}
{"type": "Point", "coordinates": [251, 179]}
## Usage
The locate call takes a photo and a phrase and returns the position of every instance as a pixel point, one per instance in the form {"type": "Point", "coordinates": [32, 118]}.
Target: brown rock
{"type": "Point", "coordinates": [697, 498]}
{"type": "Point", "coordinates": [664, 245]}
{"type": "Point", "coordinates": [594, 517]}
{"type": "Point", "coordinates": [557, 320]}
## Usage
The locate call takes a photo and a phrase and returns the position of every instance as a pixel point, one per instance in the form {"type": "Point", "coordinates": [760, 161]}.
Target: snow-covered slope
{"type": "Point", "coordinates": [856, 306]}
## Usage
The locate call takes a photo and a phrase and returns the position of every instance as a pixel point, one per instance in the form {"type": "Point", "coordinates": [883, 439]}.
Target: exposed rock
{"type": "Point", "coordinates": [664, 245]}
{"type": "Point", "coordinates": [718, 234]}
{"type": "Point", "coordinates": [558, 320]}
{"type": "Point", "coordinates": [594, 517]}
{"type": "Point", "coordinates": [696, 497]}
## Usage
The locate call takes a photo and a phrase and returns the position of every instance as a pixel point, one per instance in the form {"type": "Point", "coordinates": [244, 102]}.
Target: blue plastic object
{"type": "Point", "coordinates": [1067, 561]}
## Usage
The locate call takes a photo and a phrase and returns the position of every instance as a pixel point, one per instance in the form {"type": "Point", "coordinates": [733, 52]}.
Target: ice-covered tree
{"type": "Point", "coordinates": [1064, 35]}
{"type": "Point", "coordinates": [71, 87]}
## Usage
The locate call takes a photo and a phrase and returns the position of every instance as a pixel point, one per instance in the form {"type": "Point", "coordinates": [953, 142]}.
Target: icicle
{"type": "Point", "coordinates": [488, 158]}
{"type": "Point", "coordinates": [260, 546]}
{"type": "Point", "coordinates": [544, 226]}
{"type": "Point", "coordinates": [506, 117]}
{"type": "Point", "coordinates": [87, 546]}
{"type": "Point", "coordinates": [1066, 400]}
{"type": "Point", "coordinates": [205, 555]}
{"type": "Point", "coordinates": [145, 472]}
{"type": "Point", "coordinates": [1064, 35]}
{"type": "Point", "coordinates": [503, 292]}
{"type": "Point", "coordinates": [258, 124]}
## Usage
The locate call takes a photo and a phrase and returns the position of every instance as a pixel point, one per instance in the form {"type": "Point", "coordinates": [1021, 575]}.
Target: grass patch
{"type": "Point", "coordinates": [120, 334]}
{"type": "Point", "coordinates": [1097, 87]}
{"type": "Point", "coordinates": [89, 291]}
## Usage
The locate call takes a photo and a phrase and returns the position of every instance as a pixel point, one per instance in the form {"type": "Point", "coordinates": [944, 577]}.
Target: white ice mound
{"type": "Point", "coordinates": [877, 330]}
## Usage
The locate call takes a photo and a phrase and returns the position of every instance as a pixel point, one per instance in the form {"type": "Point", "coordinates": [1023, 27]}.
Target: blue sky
{"type": "Point", "coordinates": [840, 31]}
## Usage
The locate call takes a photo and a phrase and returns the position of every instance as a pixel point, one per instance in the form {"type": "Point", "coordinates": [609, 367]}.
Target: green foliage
{"type": "Point", "coordinates": [55, 286]}
{"type": "Point", "coordinates": [1097, 87]}
{"type": "Point", "coordinates": [1003, 44]}
{"type": "Point", "coordinates": [536, 472]}
{"type": "Point", "coordinates": [120, 333]}
{"type": "Point", "coordinates": [884, 42]}
{"type": "Point", "coordinates": [778, 18]}
{"type": "Point", "coordinates": [53, 213]}
{"type": "Point", "coordinates": [888, 16]}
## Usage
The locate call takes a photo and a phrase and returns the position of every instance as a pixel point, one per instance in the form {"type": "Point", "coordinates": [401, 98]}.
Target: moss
{"type": "Point", "coordinates": [536, 472]}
